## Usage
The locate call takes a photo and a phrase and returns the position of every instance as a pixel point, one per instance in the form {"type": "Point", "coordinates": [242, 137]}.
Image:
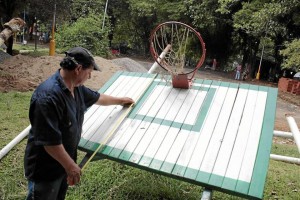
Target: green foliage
{"type": "Point", "coordinates": [86, 32]}
{"type": "Point", "coordinates": [291, 55]}
{"type": "Point", "coordinates": [258, 17]}
{"type": "Point", "coordinates": [82, 8]}
{"type": "Point", "coordinates": [203, 13]}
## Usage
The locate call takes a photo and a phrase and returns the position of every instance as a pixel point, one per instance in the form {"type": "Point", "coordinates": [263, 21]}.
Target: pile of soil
{"type": "Point", "coordinates": [25, 73]}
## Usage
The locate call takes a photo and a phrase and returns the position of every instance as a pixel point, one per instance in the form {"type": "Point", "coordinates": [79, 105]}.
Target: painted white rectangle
{"type": "Point", "coordinates": [167, 104]}
{"type": "Point", "coordinates": [160, 101]}
{"type": "Point", "coordinates": [150, 100]}
{"type": "Point", "coordinates": [175, 107]}
{"type": "Point", "coordinates": [186, 107]}
{"type": "Point", "coordinates": [191, 119]}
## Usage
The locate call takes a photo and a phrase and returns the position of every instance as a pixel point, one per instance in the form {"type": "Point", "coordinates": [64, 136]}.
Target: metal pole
{"type": "Point", "coordinates": [14, 142]}
{"type": "Point", "coordinates": [36, 31]}
{"type": "Point", "coordinates": [295, 131]}
{"type": "Point", "coordinates": [104, 14]}
{"type": "Point", "coordinates": [159, 59]}
{"type": "Point", "coordinates": [24, 30]}
{"type": "Point", "coordinates": [262, 53]}
{"type": "Point", "coordinates": [286, 159]}
{"type": "Point", "coordinates": [52, 41]}
{"type": "Point", "coordinates": [207, 194]}
{"type": "Point", "coordinates": [283, 134]}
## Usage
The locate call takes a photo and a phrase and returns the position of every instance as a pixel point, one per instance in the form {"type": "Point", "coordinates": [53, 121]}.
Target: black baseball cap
{"type": "Point", "coordinates": [80, 55]}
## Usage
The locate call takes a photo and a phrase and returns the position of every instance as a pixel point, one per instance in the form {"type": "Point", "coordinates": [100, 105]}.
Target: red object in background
{"type": "Point", "coordinates": [115, 52]}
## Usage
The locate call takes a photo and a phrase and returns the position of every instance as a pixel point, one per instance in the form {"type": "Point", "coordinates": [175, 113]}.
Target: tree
{"type": "Point", "coordinates": [85, 32]}
{"type": "Point", "coordinates": [214, 26]}
{"type": "Point", "coordinates": [291, 54]}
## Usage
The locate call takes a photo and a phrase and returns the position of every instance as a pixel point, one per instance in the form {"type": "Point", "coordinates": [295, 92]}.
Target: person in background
{"type": "Point", "coordinates": [214, 64]}
{"type": "Point", "coordinates": [56, 115]}
{"type": "Point", "coordinates": [238, 72]}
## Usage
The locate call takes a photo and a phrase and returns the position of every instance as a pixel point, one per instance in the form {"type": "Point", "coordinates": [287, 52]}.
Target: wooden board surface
{"type": "Point", "coordinates": [215, 134]}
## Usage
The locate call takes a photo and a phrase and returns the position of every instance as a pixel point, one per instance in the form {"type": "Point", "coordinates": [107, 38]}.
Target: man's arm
{"type": "Point", "coordinates": [59, 153]}
{"type": "Point", "coordinates": [106, 100]}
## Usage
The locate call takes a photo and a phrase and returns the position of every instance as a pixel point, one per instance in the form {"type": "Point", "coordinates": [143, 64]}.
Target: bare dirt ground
{"type": "Point", "coordinates": [24, 73]}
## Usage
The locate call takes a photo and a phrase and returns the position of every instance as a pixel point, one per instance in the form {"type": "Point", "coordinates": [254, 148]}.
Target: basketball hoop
{"type": "Point", "coordinates": [183, 49]}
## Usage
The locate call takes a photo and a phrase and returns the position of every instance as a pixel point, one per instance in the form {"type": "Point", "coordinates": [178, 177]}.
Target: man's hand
{"type": "Point", "coordinates": [74, 173]}
{"type": "Point", "coordinates": [107, 100]}
{"type": "Point", "coordinates": [59, 153]}
{"type": "Point", "coordinates": [126, 101]}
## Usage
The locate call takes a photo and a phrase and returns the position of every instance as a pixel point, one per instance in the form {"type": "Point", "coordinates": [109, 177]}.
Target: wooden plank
{"type": "Point", "coordinates": [185, 154]}
{"type": "Point", "coordinates": [206, 131]}
{"type": "Point", "coordinates": [101, 112]}
{"type": "Point", "coordinates": [239, 148]}
{"type": "Point", "coordinates": [150, 132]}
{"type": "Point", "coordinates": [111, 144]}
{"type": "Point", "coordinates": [172, 132]}
{"type": "Point", "coordinates": [252, 144]}
{"type": "Point", "coordinates": [96, 115]}
{"type": "Point", "coordinates": [141, 130]}
{"type": "Point", "coordinates": [136, 86]}
{"type": "Point", "coordinates": [102, 121]}
{"type": "Point", "coordinates": [218, 134]}
{"type": "Point", "coordinates": [162, 130]}
{"type": "Point", "coordinates": [180, 140]}
{"type": "Point", "coordinates": [115, 86]}
{"type": "Point", "coordinates": [123, 138]}
{"type": "Point", "coordinates": [228, 141]}
{"type": "Point", "coordinates": [262, 159]}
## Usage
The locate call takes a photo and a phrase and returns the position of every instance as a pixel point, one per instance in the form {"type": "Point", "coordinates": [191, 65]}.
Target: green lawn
{"type": "Point", "coordinates": [110, 180]}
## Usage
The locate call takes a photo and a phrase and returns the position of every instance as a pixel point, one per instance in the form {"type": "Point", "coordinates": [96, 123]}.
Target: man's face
{"type": "Point", "coordinates": [82, 75]}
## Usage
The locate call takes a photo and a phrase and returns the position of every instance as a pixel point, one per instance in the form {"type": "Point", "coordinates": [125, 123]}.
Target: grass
{"type": "Point", "coordinates": [110, 180]}
{"type": "Point", "coordinates": [29, 49]}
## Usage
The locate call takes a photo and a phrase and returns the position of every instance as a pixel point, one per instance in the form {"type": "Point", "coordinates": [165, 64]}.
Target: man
{"type": "Point", "coordinates": [56, 115]}
{"type": "Point", "coordinates": [238, 72]}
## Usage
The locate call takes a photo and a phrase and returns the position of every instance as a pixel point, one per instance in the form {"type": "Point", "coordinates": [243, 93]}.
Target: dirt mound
{"type": "Point", "coordinates": [24, 73]}
{"type": "Point", "coordinates": [130, 64]}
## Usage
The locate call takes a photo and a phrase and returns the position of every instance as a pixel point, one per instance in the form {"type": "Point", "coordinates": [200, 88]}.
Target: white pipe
{"type": "Point", "coordinates": [294, 130]}
{"type": "Point", "coordinates": [207, 194]}
{"type": "Point", "coordinates": [159, 59]}
{"type": "Point", "coordinates": [285, 159]}
{"type": "Point", "coordinates": [15, 141]}
{"type": "Point", "coordinates": [283, 134]}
